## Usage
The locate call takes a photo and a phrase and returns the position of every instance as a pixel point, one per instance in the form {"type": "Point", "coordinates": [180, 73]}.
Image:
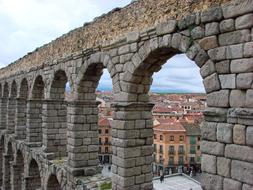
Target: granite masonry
{"type": "Point", "coordinates": [48, 142]}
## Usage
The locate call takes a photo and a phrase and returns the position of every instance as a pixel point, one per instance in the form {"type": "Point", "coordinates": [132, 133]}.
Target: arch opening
{"type": "Point", "coordinates": [7, 167]}
{"type": "Point", "coordinates": [11, 108]}
{"type": "Point", "coordinates": [55, 117]}
{"type": "Point", "coordinates": [34, 180]}
{"type": "Point", "coordinates": [53, 183]}
{"type": "Point", "coordinates": [18, 172]}
{"type": "Point", "coordinates": [34, 112]}
{"type": "Point", "coordinates": [21, 111]}
{"type": "Point", "coordinates": [4, 102]}
{"type": "Point", "coordinates": [139, 110]}
{"type": "Point", "coordinates": [86, 110]}
{"type": "Point", "coordinates": [1, 159]}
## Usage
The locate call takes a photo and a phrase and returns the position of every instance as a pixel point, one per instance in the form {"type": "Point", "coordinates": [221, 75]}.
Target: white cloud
{"type": "Point", "coordinates": [28, 24]}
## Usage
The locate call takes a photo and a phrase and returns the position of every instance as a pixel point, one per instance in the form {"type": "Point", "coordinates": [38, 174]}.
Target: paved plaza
{"type": "Point", "coordinates": [176, 183]}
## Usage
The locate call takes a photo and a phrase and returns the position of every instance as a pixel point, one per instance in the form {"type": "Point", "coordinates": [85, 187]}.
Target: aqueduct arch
{"type": "Point", "coordinates": [218, 39]}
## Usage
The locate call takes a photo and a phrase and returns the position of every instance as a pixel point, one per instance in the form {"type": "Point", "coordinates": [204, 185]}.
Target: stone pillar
{"type": "Point", "coordinates": [54, 127]}
{"type": "Point", "coordinates": [11, 115]}
{"type": "Point", "coordinates": [132, 145]}
{"type": "Point", "coordinates": [6, 171]}
{"type": "Point", "coordinates": [3, 113]}
{"type": "Point", "coordinates": [82, 137]}
{"type": "Point", "coordinates": [34, 122]}
{"type": "Point", "coordinates": [20, 127]}
{"type": "Point", "coordinates": [1, 162]}
{"type": "Point", "coordinates": [16, 177]}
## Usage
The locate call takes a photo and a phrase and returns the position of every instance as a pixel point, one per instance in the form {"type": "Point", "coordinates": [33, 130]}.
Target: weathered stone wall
{"type": "Point", "coordinates": [136, 16]}
{"type": "Point", "coordinates": [219, 40]}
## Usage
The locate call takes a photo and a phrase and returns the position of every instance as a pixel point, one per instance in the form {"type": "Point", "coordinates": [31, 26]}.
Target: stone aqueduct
{"type": "Point", "coordinates": [50, 143]}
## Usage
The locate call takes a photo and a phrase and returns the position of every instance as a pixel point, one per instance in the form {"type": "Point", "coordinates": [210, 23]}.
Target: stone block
{"type": "Point", "coordinates": [133, 36]}
{"type": "Point", "coordinates": [186, 21]}
{"type": "Point", "coordinates": [217, 54]}
{"type": "Point", "coordinates": [227, 25]}
{"type": "Point", "coordinates": [227, 81]}
{"type": "Point", "coordinates": [208, 131]}
{"type": "Point", "coordinates": [212, 29]}
{"type": "Point", "coordinates": [244, 80]}
{"type": "Point", "coordinates": [242, 171]}
{"type": "Point", "coordinates": [214, 148]}
{"type": "Point", "coordinates": [212, 83]}
{"type": "Point", "coordinates": [124, 49]}
{"type": "Point", "coordinates": [198, 32]}
{"type": "Point", "coordinates": [223, 67]}
{"type": "Point", "coordinates": [211, 182]}
{"type": "Point", "coordinates": [224, 132]}
{"type": "Point", "coordinates": [234, 51]}
{"type": "Point", "coordinates": [247, 187]}
{"type": "Point", "coordinates": [249, 136]}
{"type": "Point", "coordinates": [242, 65]}
{"type": "Point", "coordinates": [201, 58]}
{"type": "Point", "coordinates": [176, 40]}
{"type": "Point", "coordinates": [218, 99]}
{"type": "Point", "coordinates": [208, 163]}
{"type": "Point", "coordinates": [237, 8]}
{"type": "Point", "coordinates": [245, 21]}
{"type": "Point", "coordinates": [209, 42]}
{"type": "Point", "coordinates": [248, 49]}
{"type": "Point", "coordinates": [212, 14]}
{"type": "Point", "coordinates": [238, 152]}
{"type": "Point", "coordinates": [239, 132]}
{"type": "Point", "coordinates": [229, 184]}
{"type": "Point", "coordinates": [223, 166]}
{"type": "Point", "coordinates": [236, 37]}
{"type": "Point", "coordinates": [207, 69]}
{"type": "Point", "coordinates": [166, 27]}
{"type": "Point", "coordinates": [184, 44]}
{"type": "Point", "coordinates": [237, 98]}
{"type": "Point", "coordinates": [249, 98]}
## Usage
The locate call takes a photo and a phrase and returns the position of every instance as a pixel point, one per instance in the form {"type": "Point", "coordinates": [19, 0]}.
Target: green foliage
{"type": "Point", "coordinates": [106, 186]}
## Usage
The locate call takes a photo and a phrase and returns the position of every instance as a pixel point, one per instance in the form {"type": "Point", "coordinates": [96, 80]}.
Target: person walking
{"type": "Point", "coordinates": [162, 178]}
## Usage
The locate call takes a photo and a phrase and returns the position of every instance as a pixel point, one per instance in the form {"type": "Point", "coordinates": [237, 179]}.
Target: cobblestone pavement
{"type": "Point", "coordinates": [176, 183]}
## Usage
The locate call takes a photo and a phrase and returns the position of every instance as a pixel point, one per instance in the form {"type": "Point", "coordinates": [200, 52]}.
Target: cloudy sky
{"type": "Point", "coordinates": [28, 24]}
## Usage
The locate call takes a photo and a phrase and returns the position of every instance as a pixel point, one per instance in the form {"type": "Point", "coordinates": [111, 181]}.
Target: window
{"type": "Point", "coordinates": [192, 160]}
{"type": "Point", "coordinates": [99, 131]}
{"type": "Point", "coordinates": [161, 159]}
{"type": "Point", "coordinates": [100, 150]}
{"type": "Point", "coordinates": [171, 149]}
{"type": "Point", "coordinates": [154, 136]}
{"type": "Point", "coordinates": [100, 141]}
{"type": "Point", "coordinates": [181, 138]}
{"type": "Point", "coordinates": [192, 140]}
{"type": "Point", "coordinates": [181, 160]}
{"type": "Point", "coordinates": [171, 160]}
{"type": "Point", "coordinates": [171, 138]}
{"type": "Point", "coordinates": [155, 148]}
{"type": "Point", "coordinates": [106, 140]}
{"type": "Point", "coordinates": [198, 147]}
{"type": "Point", "coordinates": [106, 149]}
{"type": "Point", "coordinates": [192, 150]}
{"type": "Point", "coordinates": [161, 137]}
{"type": "Point", "coordinates": [106, 131]}
{"type": "Point", "coordinates": [161, 149]}
{"type": "Point", "coordinates": [181, 149]}
{"type": "Point", "coordinates": [199, 138]}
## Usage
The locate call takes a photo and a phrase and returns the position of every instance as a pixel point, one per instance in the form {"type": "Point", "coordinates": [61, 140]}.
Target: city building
{"type": "Point", "coordinates": [105, 137]}
{"type": "Point", "coordinates": [169, 146]}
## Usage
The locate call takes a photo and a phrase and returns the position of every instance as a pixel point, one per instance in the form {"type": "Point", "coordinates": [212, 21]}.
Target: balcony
{"type": "Point", "coordinates": [181, 152]}
{"type": "Point", "coordinates": [171, 152]}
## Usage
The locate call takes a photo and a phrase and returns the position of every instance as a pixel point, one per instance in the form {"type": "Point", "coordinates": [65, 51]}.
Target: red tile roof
{"type": "Point", "coordinates": [171, 126]}
{"type": "Point", "coordinates": [104, 122]}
